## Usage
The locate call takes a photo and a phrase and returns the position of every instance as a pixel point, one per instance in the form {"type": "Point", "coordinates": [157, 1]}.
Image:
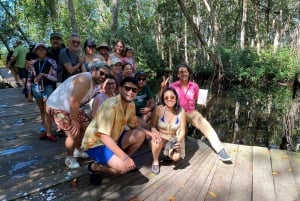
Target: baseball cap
{"type": "Point", "coordinates": [40, 45]}
{"type": "Point", "coordinates": [55, 34]}
{"type": "Point", "coordinates": [140, 73]}
{"type": "Point", "coordinates": [115, 60]}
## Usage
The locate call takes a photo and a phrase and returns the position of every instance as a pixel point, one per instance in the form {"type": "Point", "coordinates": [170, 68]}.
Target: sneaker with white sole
{"type": "Point", "coordinates": [71, 162]}
{"type": "Point", "coordinates": [223, 156]}
{"type": "Point", "coordinates": [80, 154]}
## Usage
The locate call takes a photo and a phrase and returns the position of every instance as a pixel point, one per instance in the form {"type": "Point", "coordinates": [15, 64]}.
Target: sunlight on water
{"type": "Point", "coordinates": [15, 150]}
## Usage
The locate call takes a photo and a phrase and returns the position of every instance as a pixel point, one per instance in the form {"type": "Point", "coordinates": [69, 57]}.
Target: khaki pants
{"type": "Point", "coordinates": [198, 121]}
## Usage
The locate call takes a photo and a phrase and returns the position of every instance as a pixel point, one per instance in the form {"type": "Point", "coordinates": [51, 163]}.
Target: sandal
{"type": "Point", "coordinates": [155, 169]}
{"type": "Point", "coordinates": [95, 177]}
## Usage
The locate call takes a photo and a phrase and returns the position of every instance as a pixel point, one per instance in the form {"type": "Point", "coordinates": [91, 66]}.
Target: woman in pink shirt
{"type": "Point", "coordinates": [188, 94]}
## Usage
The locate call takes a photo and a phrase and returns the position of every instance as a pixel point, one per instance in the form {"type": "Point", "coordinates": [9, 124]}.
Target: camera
{"type": "Point", "coordinates": [169, 145]}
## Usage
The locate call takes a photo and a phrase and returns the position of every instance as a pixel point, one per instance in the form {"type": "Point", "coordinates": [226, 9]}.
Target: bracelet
{"type": "Point", "coordinates": [125, 158]}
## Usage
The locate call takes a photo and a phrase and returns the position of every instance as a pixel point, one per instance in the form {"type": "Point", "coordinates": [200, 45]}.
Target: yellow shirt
{"type": "Point", "coordinates": [110, 120]}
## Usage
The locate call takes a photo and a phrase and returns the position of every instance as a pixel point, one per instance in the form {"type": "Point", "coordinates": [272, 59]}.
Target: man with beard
{"type": "Point", "coordinates": [64, 105]}
{"type": "Point", "coordinates": [112, 136]}
{"type": "Point", "coordinates": [56, 46]}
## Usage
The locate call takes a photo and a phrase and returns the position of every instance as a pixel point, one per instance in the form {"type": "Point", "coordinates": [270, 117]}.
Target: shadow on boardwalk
{"type": "Point", "coordinates": [31, 169]}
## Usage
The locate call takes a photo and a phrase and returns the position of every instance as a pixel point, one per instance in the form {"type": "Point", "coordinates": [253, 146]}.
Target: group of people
{"type": "Point", "coordinates": [123, 112]}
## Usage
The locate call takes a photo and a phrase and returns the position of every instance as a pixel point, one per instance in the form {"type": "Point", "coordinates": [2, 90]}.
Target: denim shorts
{"type": "Point", "coordinates": [103, 154]}
{"type": "Point", "coordinates": [48, 89]}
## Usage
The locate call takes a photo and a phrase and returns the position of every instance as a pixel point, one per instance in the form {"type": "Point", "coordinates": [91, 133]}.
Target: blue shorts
{"type": "Point", "coordinates": [48, 89]}
{"type": "Point", "coordinates": [102, 154]}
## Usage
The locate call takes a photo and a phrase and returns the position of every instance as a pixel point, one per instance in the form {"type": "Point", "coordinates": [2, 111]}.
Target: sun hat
{"type": "Point", "coordinates": [103, 45]}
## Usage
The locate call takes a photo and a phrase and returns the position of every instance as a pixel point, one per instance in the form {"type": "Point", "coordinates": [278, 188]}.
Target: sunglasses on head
{"type": "Point", "coordinates": [133, 89]}
{"type": "Point", "coordinates": [76, 42]}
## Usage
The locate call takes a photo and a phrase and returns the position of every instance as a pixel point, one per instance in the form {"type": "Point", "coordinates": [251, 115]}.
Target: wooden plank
{"type": "Point", "coordinates": [241, 187]}
{"type": "Point", "coordinates": [263, 187]}
{"type": "Point", "coordinates": [156, 185]}
{"type": "Point", "coordinates": [295, 164]}
{"type": "Point", "coordinates": [220, 185]}
{"type": "Point", "coordinates": [285, 185]}
{"type": "Point", "coordinates": [201, 176]}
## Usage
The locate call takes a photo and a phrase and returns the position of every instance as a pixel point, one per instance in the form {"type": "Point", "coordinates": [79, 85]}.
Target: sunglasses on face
{"type": "Point", "coordinates": [76, 42]}
{"type": "Point", "coordinates": [169, 98]}
{"type": "Point", "coordinates": [133, 89]}
{"type": "Point", "coordinates": [141, 79]}
{"type": "Point", "coordinates": [103, 74]}
{"type": "Point", "coordinates": [91, 47]}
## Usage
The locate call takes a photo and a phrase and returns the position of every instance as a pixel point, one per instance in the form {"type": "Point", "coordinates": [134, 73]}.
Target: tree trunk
{"type": "Point", "coordinates": [243, 26]}
{"type": "Point", "coordinates": [256, 26]}
{"type": "Point", "coordinates": [115, 14]}
{"type": "Point", "coordinates": [53, 14]}
{"type": "Point", "coordinates": [72, 14]}
{"type": "Point", "coordinates": [216, 59]}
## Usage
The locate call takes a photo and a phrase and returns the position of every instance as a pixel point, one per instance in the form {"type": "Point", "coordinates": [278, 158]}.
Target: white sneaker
{"type": "Point", "coordinates": [80, 154]}
{"type": "Point", "coordinates": [71, 162]}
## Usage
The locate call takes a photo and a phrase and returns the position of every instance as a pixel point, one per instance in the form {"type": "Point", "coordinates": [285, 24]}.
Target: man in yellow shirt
{"type": "Point", "coordinates": [113, 135]}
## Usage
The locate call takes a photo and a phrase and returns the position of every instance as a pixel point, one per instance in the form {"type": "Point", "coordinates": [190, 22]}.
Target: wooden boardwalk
{"type": "Point", "coordinates": [31, 169]}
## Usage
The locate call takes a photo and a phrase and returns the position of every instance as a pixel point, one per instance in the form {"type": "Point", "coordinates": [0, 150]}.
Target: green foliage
{"type": "Point", "coordinates": [250, 68]}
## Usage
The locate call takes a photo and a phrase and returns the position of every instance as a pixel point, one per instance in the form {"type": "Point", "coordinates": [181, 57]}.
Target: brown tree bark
{"type": "Point", "coordinates": [72, 14]}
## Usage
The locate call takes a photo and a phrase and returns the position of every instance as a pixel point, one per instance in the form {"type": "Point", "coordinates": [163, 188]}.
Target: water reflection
{"type": "Point", "coordinates": [253, 117]}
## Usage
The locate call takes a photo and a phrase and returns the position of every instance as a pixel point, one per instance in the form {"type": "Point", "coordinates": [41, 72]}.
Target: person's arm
{"type": "Point", "coordinates": [81, 85]}
{"type": "Point", "coordinates": [52, 74]}
{"type": "Point", "coordinates": [155, 134]}
{"type": "Point", "coordinates": [181, 135]}
{"type": "Point", "coordinates": [163, 84]}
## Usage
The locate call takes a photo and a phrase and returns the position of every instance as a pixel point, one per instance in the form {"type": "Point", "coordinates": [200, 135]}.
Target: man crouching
{"type": "Point", "coordinates": [107, 141]}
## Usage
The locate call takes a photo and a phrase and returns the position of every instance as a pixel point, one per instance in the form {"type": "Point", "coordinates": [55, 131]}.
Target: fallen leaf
{"type": "Point", "coordinates": [274, 173]}
{"type": "Point", "coordinates": [212, 194]}
{"type": "Point", "coordinates": [290, 169]}
{"type": "Point", "coordinates": [172, 198]}
{"type": "Point", "coordinates": [234, 150]}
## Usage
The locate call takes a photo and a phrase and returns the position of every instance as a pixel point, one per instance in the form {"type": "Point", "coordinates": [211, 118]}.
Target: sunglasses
{"type": "Point", "coordinates": [133, 89]}
{"type": "Point", "coordinates": [103, 74]}
{"type": "Point", "coordinates": [92, 46]}
{"type": "Point", "coordinates": [169, 98]}
{"type": "Point", "coordinates": [76, 42]}
{"type": "Point", "coordinates": [141, 79]}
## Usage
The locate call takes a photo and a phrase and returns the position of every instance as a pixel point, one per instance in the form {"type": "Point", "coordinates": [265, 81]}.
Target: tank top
{"type": "Point", "coordinates": [60, 98]}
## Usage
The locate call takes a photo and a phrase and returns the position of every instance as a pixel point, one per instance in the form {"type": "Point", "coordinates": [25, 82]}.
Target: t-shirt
{"type": "Point", "coordinates": [66, 56]}
{"type": "Point", "coordinates": [187, 97]}
{"type": "Point", "coordinates": [20, 55]}
{"type": "Point", "coordinates": [111, 120]}
{"type": "Point", "coordinates": [141, 99]}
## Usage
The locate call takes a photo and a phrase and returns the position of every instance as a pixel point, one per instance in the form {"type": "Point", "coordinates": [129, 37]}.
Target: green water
{"type": "Point", "coordinates": [259, 120]}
